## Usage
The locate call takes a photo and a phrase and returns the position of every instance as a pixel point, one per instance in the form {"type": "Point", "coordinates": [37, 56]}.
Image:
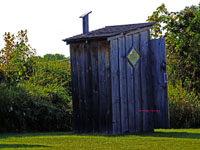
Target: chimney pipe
{"type": "Point", "coordinates": [85, 23]}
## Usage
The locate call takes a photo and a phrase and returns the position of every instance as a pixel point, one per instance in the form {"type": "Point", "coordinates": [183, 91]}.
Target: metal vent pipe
{"type": "Point", "coordinates": [86, 22]}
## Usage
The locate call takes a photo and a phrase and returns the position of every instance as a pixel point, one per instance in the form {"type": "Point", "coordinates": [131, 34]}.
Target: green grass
{"type": "Point", "coordinates": [172, 139]}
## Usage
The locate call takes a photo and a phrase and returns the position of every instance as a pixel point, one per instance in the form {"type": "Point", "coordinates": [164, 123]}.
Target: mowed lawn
{"type": "Point", "coordinates": [171, 139]}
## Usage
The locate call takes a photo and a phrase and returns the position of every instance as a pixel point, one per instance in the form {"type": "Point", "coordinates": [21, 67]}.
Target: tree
{"type": "Point", "coordinates": [181, 31]}
{"type": "Point", "coordinates": [53, 57]}
{"type": "Point", "coordinates": [15, 57]}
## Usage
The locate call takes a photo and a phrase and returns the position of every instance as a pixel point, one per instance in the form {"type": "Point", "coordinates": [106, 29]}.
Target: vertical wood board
{"type": "Point", "coordinates": [150, 94]}
{"type": "Point", "coordinates": [122, 84]}
{"type": "Point", "coordinates": [78, 61]}
{"type": "Point", "coordinates": [101, 68]}
{"type": "Point", "coordinates": [104, 86]}
{"type": "Point", "coordinates": [75, 97]}
{"type": "Point", "coordinates": [130, 87]}
{"type": "Point", "coordinates": [114, 62]}
{"type": "Point", "coordinates": [95, 85]}
{"type": "Point", "coordinates": [137, 86]}
{"type": "Point", "coordinates": [82, 87]}
{"type": "Point", "coordinates": [160, 86]}
{"type": "Point", "coordinates": [107, 81]}
{"type": "Point", "coordinates": [88, 88]}
{"type": "Point", "coordinates": [144, 79]}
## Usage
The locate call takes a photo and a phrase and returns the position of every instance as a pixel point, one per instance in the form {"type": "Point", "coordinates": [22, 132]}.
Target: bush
{"type": "Point", "coordinates": [184, 107]}
{"type": "Point", "coordinates": [40, 101]}
{"type": "Point", "coordinates": [22, 109]}
{"type": "Point", "coordinates": [35, 92]}
{"type": "Point", "coordinates": [52, 72]}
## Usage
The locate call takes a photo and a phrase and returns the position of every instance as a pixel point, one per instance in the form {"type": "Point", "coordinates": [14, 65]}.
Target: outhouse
{"type": "Point", "coordinates": [119, 82]}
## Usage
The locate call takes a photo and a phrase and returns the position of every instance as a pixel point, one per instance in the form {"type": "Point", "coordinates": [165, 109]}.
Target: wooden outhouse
{"type": "Point", "coordinates": [119, 80]}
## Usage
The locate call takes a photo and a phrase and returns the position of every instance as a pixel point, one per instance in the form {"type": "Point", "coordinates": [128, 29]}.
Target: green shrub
{"type": "Point", "coordinates": [53, 94]}
{"type": "Point", "coordinates": [22, 109]}
{"type": "Point", "coordinates": [52, 72]}
{"type": "Point", "coordinates": [35, 92]}
{"type": "Point", "coordinates": [184, 107]}
{"type": "Point", "coordinates": [40, 102]}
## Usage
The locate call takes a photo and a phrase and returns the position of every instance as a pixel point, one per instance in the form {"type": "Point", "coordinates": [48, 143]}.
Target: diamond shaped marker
{"type": "Point", "coordinates": [133, 57]}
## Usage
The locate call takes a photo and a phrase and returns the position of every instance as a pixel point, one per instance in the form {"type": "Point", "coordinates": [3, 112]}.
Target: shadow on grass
{"type": "Point", "coordinates": [8, 135]}
{"type": "Point", "coordinates": [185, 135]}
{"type": "Point", "coordinates": [20, 146]}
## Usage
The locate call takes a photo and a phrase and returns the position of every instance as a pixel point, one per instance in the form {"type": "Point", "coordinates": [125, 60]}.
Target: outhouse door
{"type": "Point", "coordinates": [140, 81]}
{"type": "Point", "coordinates": [160, 92]}
{"type": "Point", "coordinates": [146, 70]}
{"type": "Point", "coordinates": [139, 86]}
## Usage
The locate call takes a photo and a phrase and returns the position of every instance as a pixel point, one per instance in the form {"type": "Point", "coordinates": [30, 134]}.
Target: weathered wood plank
{"type": "Point", "coordinates": [115, 86]}
{"type": "Point", "coordinates": [130, 87]}
{"type": "Point", "coordinates": [107, 88]}
{"type": "Point", "coordinates": [95, 86]}
{"type": "Point", "coordinates": [82, 87]}
{"type": "Point", "coordinates": [149, 78]}
{"type": "Point", "coordinates": [122, 84]}
{"type": "Point", "coordinates": [137, 86]}
{"type": "Point", "coordinates": [102, 92]}
{"type": "Point", "coordinates": [108, 95]}
{"type": "Point", "coordinates": [160, 87]}
{"type": "Point", "coordinates": [88, 88]}
{"type": "Point", "coordinates": [78, 62]}
{"type": "Point", "coordinates": [157, 78]}
{"type": "Point", "coordinates": [165, 121]}
{"type": "Point", "coordinates": [144, 73]}
{"type": "Point", "coordinates": [75, 98]}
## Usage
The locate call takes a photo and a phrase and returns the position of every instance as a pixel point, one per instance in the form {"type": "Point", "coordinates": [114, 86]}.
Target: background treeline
{"type": "Point", "coordinates": [35, 92]}
{"type": "Point", "coordinates": [181, 31]}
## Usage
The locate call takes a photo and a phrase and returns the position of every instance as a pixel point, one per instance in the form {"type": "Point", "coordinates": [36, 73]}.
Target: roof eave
{"type": "Point", "coordinates": [72, 40]}
{"type": "Point", "coordinates": [69, 41]}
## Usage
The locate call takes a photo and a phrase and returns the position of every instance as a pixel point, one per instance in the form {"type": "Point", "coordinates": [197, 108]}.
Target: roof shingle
{"type": "Point", "coordinates": [108, 31]}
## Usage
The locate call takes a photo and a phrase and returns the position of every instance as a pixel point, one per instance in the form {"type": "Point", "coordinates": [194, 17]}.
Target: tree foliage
{"type": "Point", "coordinates": [54, 57]}
{"type": "Point", "coordinates": [35, 91]}
{"type": "Point", "coordinates": [15, 58]}
{"type": "Point", "coordinates": [181, 31]}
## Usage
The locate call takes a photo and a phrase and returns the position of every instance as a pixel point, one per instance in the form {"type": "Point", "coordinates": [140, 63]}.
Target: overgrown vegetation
{"type": "Point", "coordinates": [181, 31]}
{"type": "Point", "coordinates": [35, 91]}
{"type": "Point", "coordinates": [184, 107]}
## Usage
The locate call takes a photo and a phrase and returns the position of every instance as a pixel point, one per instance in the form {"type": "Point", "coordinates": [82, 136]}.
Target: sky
{"type": "Point", "coordinates": [50, 21]}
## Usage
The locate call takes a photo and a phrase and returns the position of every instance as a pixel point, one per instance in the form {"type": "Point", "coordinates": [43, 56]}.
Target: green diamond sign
{"type": "Point", "coordinates": [133, 57]}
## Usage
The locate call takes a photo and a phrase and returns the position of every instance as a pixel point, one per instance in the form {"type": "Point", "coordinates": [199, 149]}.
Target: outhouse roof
{"type": "Point", "coordinates": [108, 31]}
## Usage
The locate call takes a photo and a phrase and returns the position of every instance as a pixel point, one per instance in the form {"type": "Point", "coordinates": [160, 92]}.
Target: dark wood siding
{"type": "Point", "coordinates": [114, 63]}
{"type": "Point", "coordinates": [95, 86]}
{"type": "Point", "coordinates": [90, 62]}
{"type": "Point", "coordinates": [123, 85]}
{"type": "Point", "coordinates": [76, 112]}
